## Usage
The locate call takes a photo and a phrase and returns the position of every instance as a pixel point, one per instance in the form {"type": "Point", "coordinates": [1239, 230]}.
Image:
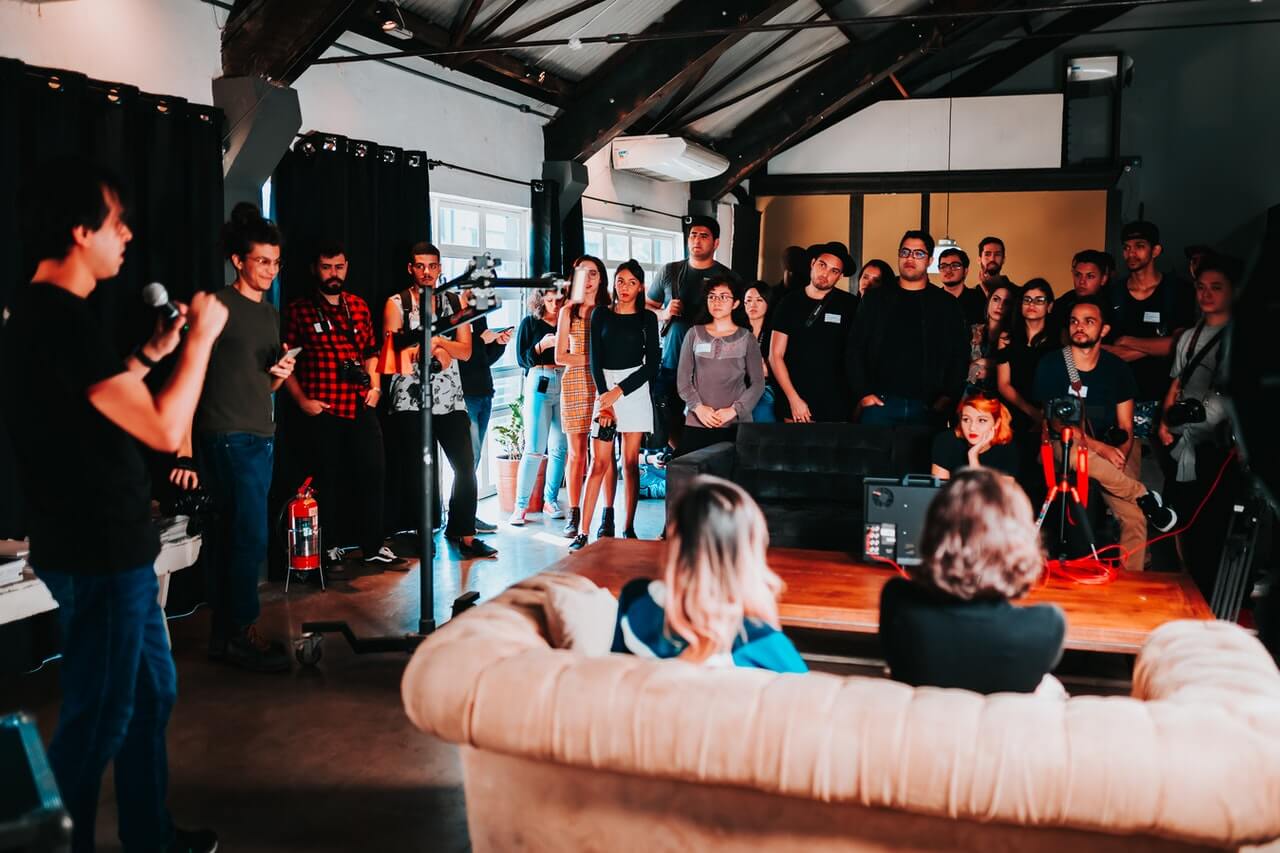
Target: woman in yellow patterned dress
{"type": "Point", "coordinates": [578, 393]}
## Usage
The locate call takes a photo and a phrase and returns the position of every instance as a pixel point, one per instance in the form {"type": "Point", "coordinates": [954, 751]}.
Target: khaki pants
{"type": "Point", "coordinates": [1120, 492]}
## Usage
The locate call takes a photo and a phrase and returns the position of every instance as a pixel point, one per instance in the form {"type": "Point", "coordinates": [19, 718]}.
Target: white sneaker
{"type": "Point", "coordinates": [553, 509]}
{"type": "Point", "coordinates": [517, 518]}
{"type": "Point", "coordinates": [385, 556]}
{"type": "Point", "coordinates": [333, 555]}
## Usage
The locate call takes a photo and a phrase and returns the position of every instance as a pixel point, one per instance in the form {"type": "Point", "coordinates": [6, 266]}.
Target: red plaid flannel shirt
{"type": "Point", "coordinates": [321, 330]}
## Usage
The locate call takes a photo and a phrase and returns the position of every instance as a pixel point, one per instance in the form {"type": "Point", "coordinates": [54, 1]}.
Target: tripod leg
{"type": "Point", "coordinates": [1081, 516]}
{"type": "Point", "coordinates": [1044, 508]}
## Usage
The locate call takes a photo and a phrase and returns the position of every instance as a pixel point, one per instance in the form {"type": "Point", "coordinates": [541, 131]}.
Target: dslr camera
{"type": "Point", "coordinates": [1185, 412]}
{"type": "Point", "coordinates": [1067, 410]}
{"type": "Point", "coordinates": [353, 373]}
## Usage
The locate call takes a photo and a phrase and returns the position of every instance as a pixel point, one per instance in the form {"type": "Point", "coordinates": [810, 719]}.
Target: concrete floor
{"type": "Point", "coordinates": [322, 759]}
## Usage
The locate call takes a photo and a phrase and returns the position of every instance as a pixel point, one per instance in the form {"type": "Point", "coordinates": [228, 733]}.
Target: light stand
{"type": "Point", "coordinates": [1068, 494]}
{"type": "Point", "coordinates": [480, 277]}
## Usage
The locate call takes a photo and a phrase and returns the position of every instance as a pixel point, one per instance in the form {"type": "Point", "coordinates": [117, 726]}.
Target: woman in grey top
{"type": "Point", "coordinates": [721, 374]}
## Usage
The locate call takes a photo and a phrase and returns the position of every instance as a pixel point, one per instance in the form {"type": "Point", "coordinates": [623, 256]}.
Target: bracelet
{"type": "Point", "coordinates": [144, 359]}
{"type": "Point", "coordinates": [186, 463]}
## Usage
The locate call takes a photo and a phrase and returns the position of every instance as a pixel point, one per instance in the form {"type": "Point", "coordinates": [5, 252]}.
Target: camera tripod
{"type": "Point", "coordinates": [1067, 494]}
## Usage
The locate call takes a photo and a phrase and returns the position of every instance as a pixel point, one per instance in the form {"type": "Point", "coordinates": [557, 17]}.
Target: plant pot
{"type": "Point", "coordinates": [508, 472]}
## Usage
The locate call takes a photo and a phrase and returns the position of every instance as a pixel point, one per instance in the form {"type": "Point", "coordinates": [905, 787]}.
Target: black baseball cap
{"type": "Point", "coordinates": [1141, 230]}
{"type": "Point", "coordinates": [848, 265]}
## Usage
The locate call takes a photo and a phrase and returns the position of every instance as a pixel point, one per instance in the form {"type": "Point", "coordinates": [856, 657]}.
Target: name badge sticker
{"type": "Point", "coordinates": [319, 328]}
{"type": "Point", "coordinates": [702, 348]}
{"type": "Point", "coordinates": [832, 318]}
{"type": "Point", "coordinates": [1151, 316]}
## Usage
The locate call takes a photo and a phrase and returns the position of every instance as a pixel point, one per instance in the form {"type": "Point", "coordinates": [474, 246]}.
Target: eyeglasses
{"type": "Point", "coordinates": [720, 297]}
{"type": "Point", "coordinates": [1035, 300]}
{"type": "Point", "coordinates": [272, 263]}
{"type": "Point", "coordinates": [918, 254]}
{"type": "Point", "coordinates": [954, 265]}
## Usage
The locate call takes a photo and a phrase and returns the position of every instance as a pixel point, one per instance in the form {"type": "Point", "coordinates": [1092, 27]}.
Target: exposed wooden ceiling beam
{"type": "Point", "coordinates": [278, 39]}
{"type": "Point", "coordinates": [506, 71]}
{"type": "Point", "coordinates": [491, 26]}
{"type": "Point", "coordinates": [462, 24]}
{"type": "Point", "coordinates": [638, 76]}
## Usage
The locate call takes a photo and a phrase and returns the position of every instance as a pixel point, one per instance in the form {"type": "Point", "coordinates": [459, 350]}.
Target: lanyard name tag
{"type": "Point", "coordinates": [831, 318]}
{"type": "Point", "coordinates": [1082, 393]}
{"type": "Point", "coordinates": [702, 348]}
{"type": "Point", "coordinates": [319, 328]}
{"type": "Point", "coordinates": [1151, 316]}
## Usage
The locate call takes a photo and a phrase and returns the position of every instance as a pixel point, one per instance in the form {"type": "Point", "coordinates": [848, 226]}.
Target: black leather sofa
{"type": "Point", "coordinates": [808, 477]}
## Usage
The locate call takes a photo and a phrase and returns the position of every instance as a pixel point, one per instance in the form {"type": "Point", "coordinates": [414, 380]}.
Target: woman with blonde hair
{"type": "Point", "coordinates": [717, 601]}
{"type": "Point", "coordinates": [953, 624]}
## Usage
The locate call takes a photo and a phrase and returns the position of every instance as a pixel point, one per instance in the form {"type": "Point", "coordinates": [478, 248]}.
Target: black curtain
{"type": "Point", "coordinates": [374, 199]}
{"type": "Point", "coordinates": [167, 152]}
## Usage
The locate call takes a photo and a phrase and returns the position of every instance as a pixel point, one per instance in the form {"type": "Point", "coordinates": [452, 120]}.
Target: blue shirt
{"type": "Point", "coordinates": [641, 630]}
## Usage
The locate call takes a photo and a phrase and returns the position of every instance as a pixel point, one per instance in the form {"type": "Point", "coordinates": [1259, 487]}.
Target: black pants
{"type": "Point", "coordinates": [696, 438]}
{"type": "Point", "coordinates": [349, 466]}
{"type": "Point", "coordinates": [452, 432]}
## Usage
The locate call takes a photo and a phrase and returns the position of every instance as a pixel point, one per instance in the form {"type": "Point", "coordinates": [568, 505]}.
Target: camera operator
{"type": "Point", "coordinates": [1103, 386]}
{"type": "Point", "coordinates": [76, 417]}
{"type": "Point", "coordinates": [335, 384]}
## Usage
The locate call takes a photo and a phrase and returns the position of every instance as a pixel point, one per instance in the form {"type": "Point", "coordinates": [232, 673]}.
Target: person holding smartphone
{"type": "Point", "coordinates": [624, 356]}
{"type": "Point", "coordinates": [543, 435]}
{"type": "Point", "coordinates": [235, 437]}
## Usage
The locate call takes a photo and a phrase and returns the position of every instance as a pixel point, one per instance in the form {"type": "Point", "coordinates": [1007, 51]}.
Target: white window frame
{"type": "Point", "coordinates": [507, 375]}
{"type": "Point", "coordinates": [634, 233]}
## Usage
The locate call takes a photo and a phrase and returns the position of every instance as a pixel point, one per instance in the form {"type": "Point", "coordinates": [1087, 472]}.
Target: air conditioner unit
{"type": "Point", "coordinates": [666, 158]}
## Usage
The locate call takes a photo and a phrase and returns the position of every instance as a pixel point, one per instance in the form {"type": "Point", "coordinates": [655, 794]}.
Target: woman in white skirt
{"type": "Point", "coordinates": [624, 355]}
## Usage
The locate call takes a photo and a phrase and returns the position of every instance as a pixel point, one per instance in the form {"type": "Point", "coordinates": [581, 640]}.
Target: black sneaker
{"type": "Point", "coordinates": [250, 650]}
{"type": "Point", "coordinates": [485, 527]}
{"type": "Point", "coordinates": [476, 548]}
{"type": "Point", "coordinates": [629, 534]}
{"type": "Point", "coordinates": [193, 841]}
{"type": "Point", "coordinates": [1159, 516]}
{"type": "Point", "coordinates": [579, 542]}
{"type": "Point", "coordinates": [606, 523]}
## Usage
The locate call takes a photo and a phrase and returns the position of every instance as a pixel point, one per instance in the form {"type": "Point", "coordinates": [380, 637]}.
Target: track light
{"type": "Point", "coordinates": [388, 15]}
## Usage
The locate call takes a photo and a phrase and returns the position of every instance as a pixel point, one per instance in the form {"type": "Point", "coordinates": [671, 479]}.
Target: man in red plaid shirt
{"type": "Point", "coordinates": [336, 385]}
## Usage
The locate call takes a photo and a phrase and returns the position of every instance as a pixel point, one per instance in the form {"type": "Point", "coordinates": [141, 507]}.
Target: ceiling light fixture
{"type": "Point", "coordinates": [389, 17]}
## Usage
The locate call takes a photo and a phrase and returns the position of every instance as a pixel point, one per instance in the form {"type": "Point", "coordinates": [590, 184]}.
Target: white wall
{"type": "Point", "coordinates": [928, 135]}
{"type": "Point", "coordinates": [604, 182]}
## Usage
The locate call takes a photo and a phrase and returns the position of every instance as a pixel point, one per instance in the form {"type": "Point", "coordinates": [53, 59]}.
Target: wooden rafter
{"type": "Point", "coordinates": [462, 24]}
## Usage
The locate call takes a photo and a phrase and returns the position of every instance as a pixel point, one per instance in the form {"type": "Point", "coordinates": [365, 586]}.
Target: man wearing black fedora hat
{"type": "Point", "coordinates": [810, 333]}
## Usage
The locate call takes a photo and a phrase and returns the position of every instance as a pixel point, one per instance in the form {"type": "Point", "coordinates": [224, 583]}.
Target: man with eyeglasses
{"type": "Point", "coordinates": [678, 295]}
{"type": "Point", "coordinates": [810, 335]}
{"type": "Point", "coordinates": [953, 267]}
{"type": "Point", "coordinates": [336, 386]}
{"type": "Point", "coordinates": [235, 435]}
{"type": "Point", "coordinates": [910, 349]}
{"type": "Point", "coordinates": [1090, 276]}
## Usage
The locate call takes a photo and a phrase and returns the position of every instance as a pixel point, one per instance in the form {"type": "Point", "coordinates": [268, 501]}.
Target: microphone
{"type": "Point", "coordinates": [155, 295]}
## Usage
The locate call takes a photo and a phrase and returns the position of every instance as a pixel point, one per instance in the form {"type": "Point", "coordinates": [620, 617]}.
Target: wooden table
{"type": "Point", "coordinates": [831, 591]}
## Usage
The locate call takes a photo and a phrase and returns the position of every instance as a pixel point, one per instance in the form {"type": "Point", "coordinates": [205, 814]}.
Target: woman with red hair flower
{"type": "Point", "coordinates": [982, 439]}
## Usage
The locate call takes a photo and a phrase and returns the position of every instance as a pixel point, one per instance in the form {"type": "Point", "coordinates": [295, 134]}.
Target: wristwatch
{"type": "Point", "coordinates": [143, 358]}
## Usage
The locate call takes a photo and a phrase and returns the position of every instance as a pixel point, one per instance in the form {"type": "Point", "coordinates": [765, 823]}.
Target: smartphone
{"type": "Point", "coordinates": [293, 353]}
{"type": "Point", "coordinates": [544, 382]}
{"type": "Point", "coordinates": [578, 288]}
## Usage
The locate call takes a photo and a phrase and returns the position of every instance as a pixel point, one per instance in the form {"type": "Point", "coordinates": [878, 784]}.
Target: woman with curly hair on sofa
{"type": "Point", "coordinates": [953, 624]}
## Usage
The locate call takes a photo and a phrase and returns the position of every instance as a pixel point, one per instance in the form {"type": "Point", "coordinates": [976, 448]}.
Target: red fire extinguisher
{"type": "Point", "coordinates": [303, 514]}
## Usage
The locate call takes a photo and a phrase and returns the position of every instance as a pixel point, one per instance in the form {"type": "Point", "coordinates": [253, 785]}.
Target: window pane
{"type": "Point", "coordinates": [496, 227]}
{"type": "Point", "coordinates": [595, 243]}
{"type": "Point", "coordinates": [664, 251]}
{"type": "Point", "coordinates": [463, 229]}
{"type": "Point", "coordinates": [616, 246]}
{"type": "Point", "coordinates": [642, 249]}
{"type": "Point", "coordinates": [451, 268]}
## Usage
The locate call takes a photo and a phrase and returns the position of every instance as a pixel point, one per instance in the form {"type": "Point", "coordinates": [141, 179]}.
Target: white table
{"type": "Point", "coordinates": [30, 596]}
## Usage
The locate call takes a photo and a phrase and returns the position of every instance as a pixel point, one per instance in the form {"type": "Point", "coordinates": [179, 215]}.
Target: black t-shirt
{"type": "Point", "coordinates": [817, 333]}
{"type": "Point", "coordinates": [1171, 306]}
{"type": "Point", "coordinates": [1107, 385]}
{"type": "Point", "coordinates": [974, 305]}
{"type": "Point", "coordinates": [1023, 359]}
{"type": "Point", "coordinates": [932, 639]}
{"type": "Point", "coordinates": [86, 488]}
{"type": "Point", "coordinates": [950, 451]}
{"type": "Point", "coordinates": [902, 371]}
{"type": "Point", "coordinates": [681, 281]}
{"type": "Point", "coordinates": [237, 387]}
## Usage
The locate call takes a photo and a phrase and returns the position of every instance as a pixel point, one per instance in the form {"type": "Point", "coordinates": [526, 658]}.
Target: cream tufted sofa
{"type": "Point", "coordinates": [567, 748]}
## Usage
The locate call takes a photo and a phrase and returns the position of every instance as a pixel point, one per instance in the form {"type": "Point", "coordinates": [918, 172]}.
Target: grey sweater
{"type": "Point", "coordinates": [716, 372]}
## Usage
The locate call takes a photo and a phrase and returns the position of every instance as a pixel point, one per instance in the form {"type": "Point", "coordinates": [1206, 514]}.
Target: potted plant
{"type": "Point", "coordinates": [510, 438]}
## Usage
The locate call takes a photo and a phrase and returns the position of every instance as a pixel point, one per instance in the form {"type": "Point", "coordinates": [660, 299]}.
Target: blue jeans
{"type": "Point", "coordinates": [118, 687]}
{"type": "Point", "coordinates": [896, 411]}
{"type": "Point", "coordinates": [763, 413]}
{"type": "Point", "coordinates": [478, 409]}
{"type": "Point", "coordinates": [237, 473]}
{"type": "Point", "coordinates": [543, 437]}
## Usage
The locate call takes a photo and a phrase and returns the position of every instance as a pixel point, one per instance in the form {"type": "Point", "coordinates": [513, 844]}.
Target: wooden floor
{"type": "Point", "coordinates": [830, 591]}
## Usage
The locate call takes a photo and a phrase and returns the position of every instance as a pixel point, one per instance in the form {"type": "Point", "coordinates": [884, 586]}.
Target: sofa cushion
{"type": "Point", "coordinates": [581, 617]}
